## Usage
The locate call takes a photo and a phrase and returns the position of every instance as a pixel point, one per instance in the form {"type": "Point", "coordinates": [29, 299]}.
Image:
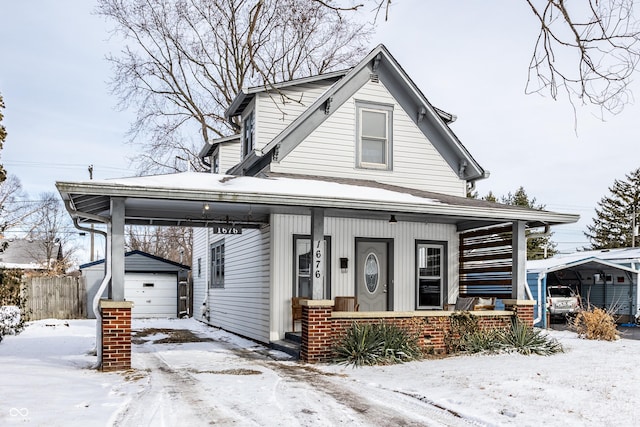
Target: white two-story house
{"type": "Point", "coordinates": [348, 184]}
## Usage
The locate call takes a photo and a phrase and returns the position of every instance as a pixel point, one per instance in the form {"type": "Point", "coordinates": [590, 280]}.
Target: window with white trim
{"type": "Point", "coordinates": [374, 137]}
{"type": "Point", "coordinates": [431, 276]}
{"type": "Point", "coordinates": [216, 270]}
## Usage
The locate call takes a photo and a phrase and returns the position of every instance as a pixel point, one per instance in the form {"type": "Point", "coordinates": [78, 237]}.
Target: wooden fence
{"type": "Point", "coordinates": [56, 297]}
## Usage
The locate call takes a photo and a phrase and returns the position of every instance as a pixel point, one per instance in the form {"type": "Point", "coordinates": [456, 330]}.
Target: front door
{"type": "Point", "coordinates": [372, 275]}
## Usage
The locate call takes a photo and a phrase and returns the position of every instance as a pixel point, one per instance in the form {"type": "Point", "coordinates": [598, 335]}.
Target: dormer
{"type": "Point", "coordinates": [222, 154]}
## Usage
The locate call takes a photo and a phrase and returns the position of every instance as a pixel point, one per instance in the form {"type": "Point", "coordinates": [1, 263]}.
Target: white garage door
{"type": "Point", "coordinates": [152, 294]}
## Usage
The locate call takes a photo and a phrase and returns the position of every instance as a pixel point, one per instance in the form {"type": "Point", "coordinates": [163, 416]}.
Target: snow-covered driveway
{"type": "Point", "coordinates": [186, 373]}
{"type": "Point", "coordinates": [212, 377]}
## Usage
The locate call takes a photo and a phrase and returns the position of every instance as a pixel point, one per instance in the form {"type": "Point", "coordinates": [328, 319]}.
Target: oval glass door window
{"type": "Point", "coordinates": [371, 272]}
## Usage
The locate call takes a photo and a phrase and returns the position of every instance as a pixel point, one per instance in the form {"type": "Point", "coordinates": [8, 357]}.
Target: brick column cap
{"type": "Point", "coordinates": [107, 303]}
{"type": "Point", "coordinates": [317, 303]}
{"type": "Point", "coordinates": [519, 302]}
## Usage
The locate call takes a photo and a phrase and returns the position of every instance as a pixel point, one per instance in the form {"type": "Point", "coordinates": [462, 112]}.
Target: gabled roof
{"type": "Point", "coordinates": [143, 254]}
{"type": "Point", "coordinates": [211, 145]}
{"type": "Point", "coordinates": [608, 257]}
{"type": "Point", "coordinates": [431, 121]}
{"type": "Point", "coordinates": [589, 262]}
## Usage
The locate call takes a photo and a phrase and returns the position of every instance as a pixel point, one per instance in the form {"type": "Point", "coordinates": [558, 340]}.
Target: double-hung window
{"type": "Point", "coordinates": [248, 134]}
{"type": "Point", "coordinates": [431, 274]}
{"type": "Point", "coordinates": [374, 139]}
{"type": "Point", "coordinates": [216, 270]}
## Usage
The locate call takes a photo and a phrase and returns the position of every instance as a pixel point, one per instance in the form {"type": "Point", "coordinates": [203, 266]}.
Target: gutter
{"type": "Point", "coordinates": [75, 215]}
{"type": "Point", "coordinates": [542, 296]}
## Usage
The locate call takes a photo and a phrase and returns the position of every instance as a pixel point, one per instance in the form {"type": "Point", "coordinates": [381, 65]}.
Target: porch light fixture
{"type": "Point", "coordinates": [393, 220]}
{"type": "Point", "coordinates": [206, 206]}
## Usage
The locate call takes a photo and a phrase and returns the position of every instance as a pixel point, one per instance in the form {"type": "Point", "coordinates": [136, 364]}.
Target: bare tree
{"type": "Point", "coordinates": [172, 243]}
{"type": "Point", "coordinates": [589, 49]}
{"type": "Point", "coordinates": [16, 209]}
{"type": "Point", "coordinates": [185, 60]}
{"type": "Point", "coordinates": [51, 229]}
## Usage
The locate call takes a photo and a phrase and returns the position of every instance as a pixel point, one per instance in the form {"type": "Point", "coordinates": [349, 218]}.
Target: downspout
{"type": "Point", "coordinates": [107, 276]}
{"type": "Point", "coordinates": [542, 293]}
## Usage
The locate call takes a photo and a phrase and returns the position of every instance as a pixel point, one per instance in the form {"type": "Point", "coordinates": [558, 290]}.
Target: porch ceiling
{"type": "Point", "coordinates": [180, 199]}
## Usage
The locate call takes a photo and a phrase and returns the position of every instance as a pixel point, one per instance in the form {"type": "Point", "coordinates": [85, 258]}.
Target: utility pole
{"type": "Point", "coordinates": [91, 234]}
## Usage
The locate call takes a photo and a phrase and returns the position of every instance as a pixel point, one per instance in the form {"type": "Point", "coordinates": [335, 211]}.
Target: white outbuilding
{"type": "Point", "coordinates": [157, 287]}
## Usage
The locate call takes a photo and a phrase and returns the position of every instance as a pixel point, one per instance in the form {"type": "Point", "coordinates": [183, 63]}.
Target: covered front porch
{"type": "Point", "coordinates": [230, 204]}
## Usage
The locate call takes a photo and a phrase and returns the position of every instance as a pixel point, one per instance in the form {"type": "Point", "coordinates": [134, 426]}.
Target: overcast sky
{"type": "Point", "coordinates": [470, 60]}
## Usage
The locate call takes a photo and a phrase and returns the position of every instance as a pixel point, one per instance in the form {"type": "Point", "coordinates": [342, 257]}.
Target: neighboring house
{"type": "Point", "coordinates": [150, 282]}
{"type": "Point", "coordinates": [606, 278]}
{"type": "Point", "coordinates": [345, 184]}
{"type": "Point", "coordinates": [30, 255]}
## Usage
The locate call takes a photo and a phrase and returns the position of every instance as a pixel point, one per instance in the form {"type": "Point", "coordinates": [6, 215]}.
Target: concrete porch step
{"type": "Point", "coordinates": [287, 346]}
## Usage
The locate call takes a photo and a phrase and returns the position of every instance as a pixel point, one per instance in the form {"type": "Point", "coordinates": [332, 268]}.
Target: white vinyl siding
{"type": "Point", "coordinates": [200, 252]}
{"type": "Point", "coordinates": [230, 155]}
{"type": "Point", "coordinates": [278, 108]}
{"type": "Point", "coordinates": [242, 306]}
{"type": "Point", "coordinates": [343, 233]}
{"type": "Point", "coordinates": [330, 150]}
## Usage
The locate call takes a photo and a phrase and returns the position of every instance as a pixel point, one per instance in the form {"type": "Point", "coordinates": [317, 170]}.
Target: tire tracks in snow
{"type": "Point", "coordinates": [391, 408]}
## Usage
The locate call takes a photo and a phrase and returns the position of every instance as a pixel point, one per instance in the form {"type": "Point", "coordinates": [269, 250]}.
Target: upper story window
{"type": "Point", "coordinates": [215, 161]}
{"type": "Point", "coordinates": [374, 139]}
{"type": "Point", "coordinates": [248, 134]}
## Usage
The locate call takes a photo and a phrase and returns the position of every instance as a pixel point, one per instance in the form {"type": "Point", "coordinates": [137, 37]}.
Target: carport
{"type": "Point", "coordinates": [600, 283]}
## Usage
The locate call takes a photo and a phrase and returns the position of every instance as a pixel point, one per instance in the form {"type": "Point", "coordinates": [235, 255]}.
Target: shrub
{"type": "Point", "coordinates": [13, 312]}
{"type": "Point", "coordinates": [376, 343]}
{"type": "Point", "coordinates": [595, 324]}
{"type": "Point", "coordinates": [524, 339]}
{"type": "Point", "coordinates": [464, 326]}
{"type": "Point", "coordinates": [466, 336]}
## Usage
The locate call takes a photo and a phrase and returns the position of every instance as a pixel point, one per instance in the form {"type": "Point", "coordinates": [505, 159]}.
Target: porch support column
{"type": "Point", "coordinates": [518, 261]}
{"type": "Point", "coordinates": [116, 291]}
{"type": "Point", "coordinates": [317, 254]}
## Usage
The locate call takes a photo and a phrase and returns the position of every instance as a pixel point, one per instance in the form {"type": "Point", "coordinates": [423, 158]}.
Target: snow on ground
{"type": "Point", "coordinates": [186, 373]}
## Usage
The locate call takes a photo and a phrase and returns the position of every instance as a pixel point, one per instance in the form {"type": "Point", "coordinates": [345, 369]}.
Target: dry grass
{"type": "Point", "coordinates": [595, 324]}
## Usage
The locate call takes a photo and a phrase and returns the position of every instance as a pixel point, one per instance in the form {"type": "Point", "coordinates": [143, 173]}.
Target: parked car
{"type": "Point", "coordinates": [562, 301]}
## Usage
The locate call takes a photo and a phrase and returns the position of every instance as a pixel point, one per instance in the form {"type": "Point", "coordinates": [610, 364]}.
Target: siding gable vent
{"type": "Point", "coordinates": [374, 77]}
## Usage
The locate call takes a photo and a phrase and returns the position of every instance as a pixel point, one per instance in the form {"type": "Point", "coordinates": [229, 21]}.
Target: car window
{"type": "Point", "coordinates": [560, 292]}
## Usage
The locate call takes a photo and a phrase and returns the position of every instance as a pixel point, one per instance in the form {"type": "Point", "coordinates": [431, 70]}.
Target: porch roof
{"type": "Point", "coordinates": [183, 199]}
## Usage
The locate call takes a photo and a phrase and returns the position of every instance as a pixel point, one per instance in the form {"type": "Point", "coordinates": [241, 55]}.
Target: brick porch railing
{"type": "Point", "coordinates": [321, 326]}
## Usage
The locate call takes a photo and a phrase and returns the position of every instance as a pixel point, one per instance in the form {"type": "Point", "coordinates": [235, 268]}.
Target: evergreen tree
{"type": "Point", "coordinates": [613, 224]}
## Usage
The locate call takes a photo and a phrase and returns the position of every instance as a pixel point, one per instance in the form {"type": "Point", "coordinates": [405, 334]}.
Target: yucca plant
{"type": "Point", "coordinates": [398, 345]}
{"type": "Point", "coordinates": [377, 343]}
{"type": "Point", "coordinates": [481, 341]}
{"type": "Point", "coordinates": [526, 340]}
{"type": "Point", "coordinates": [361, 345]}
